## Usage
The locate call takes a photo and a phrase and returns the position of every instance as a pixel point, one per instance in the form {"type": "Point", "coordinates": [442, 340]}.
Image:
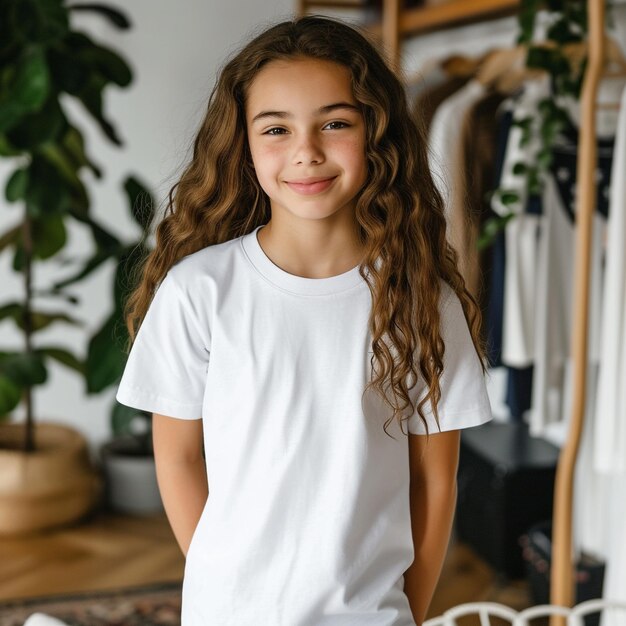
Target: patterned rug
{"type": "Point", "coordinates": [153, 605]}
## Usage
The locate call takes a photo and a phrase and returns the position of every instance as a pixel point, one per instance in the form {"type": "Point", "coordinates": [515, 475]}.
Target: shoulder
{"type": "Point", "coordinates": [210, 265]}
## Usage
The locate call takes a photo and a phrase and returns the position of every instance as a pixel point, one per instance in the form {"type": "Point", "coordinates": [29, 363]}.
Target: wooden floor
{"type": "Point", "coordinates": [110, 551]}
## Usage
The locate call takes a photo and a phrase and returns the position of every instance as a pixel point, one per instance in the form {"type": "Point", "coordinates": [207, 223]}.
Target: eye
{"type": "Point", "coordinates": [337, 125]}
{"type": "Point", "coordinates": [270, 131]}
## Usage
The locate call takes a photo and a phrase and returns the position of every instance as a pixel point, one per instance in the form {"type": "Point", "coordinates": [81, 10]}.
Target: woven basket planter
{"type": "Point", "coordinates": [54, 486]}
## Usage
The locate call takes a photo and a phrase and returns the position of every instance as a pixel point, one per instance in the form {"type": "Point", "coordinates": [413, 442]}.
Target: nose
{"type": "Point", "coordinates": [307, 150]}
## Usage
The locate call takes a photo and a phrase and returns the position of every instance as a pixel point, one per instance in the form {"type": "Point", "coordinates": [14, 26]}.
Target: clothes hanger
{"type": "Point", "coordinates": [455, 65]}
{"type": "Point", "coordinates": [498, 62]}
{"type": "Point", "coordinates": [505, 70]}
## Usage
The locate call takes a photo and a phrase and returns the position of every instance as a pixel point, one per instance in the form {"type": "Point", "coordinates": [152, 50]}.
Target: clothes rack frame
{"type": "Point", "coordinates": [398, 23]}
{"type": "Point", "coordinates": [562, 572]}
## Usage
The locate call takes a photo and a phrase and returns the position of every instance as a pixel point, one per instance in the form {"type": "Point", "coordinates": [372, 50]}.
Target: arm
{"type": "Point", "coordinates": [181, 473]}
{"type": "Point", "coordinates": [433, 467]}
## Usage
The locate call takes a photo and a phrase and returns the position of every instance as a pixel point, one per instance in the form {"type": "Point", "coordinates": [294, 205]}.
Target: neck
{"type": "Point", "coordinates": [311, 248]}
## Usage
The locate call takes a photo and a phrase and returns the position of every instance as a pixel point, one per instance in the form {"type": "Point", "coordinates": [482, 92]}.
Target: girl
{"type": "Point", "coordinates": [300, 308]}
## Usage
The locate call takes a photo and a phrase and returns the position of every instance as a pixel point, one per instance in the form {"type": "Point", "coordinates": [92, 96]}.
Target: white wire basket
{"type": "Point", "coordinates": [612, 613]}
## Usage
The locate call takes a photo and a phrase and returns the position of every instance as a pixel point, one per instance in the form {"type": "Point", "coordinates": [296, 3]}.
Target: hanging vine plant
{"type": "Point", "coordinates": [562, 57]}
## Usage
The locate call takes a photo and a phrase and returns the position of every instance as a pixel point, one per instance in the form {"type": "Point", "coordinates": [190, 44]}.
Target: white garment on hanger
{"type": "Point", "coordinates": [599, 497]}
{"type": "Point", "coordinates": [610, 411]}
{"type": "Point", "coordinates": [446, 161]}
{"type": "Point", "coordinates": [610, 436]}
{"type": "Point", "coordinates": [554, 303]}
{"type": "Point", "coordinates": [445, 138]}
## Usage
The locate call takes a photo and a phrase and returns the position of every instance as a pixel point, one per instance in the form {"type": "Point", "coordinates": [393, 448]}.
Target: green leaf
{"type": "Point", "coordinates": [74, 146]}
{"type": "Point", "coordinates": [23, 369]}
{"type": "Point", "coordinates": [526, 20]}
{"type": "Point", "coordinates": [519, 168]}
{"type": "Point", "coordinates": [141, 202]}
{"type": "Point", "coordinates": [105, 356]}
{"type": "Point", "coordinates": [40, 320]}
{"type": "Point", "coordinates": [16, 185]}
{"type": "Point", "coordinates": [49, 236]}
{"type": "Point", "coordinates": [6, 148]}
{"type": "Point", "coordinates": [491, 228]}
{"type": "Point", "coordinates": [109, 64]}
{"type": "Point", "coordinates": [27, 90]}
{"type": "Point", "coordinates": [95, 76]}
{"type": "Point", "coordinates": [91, 97]}
{"type": "Point", "coordinates": [47, 192]}
{"type": "Point", "coordinates": [68, 73]}
{"type": "Point", "coordinates": [12, 310]}
{"type": "Point", "coordinates": [524, 123]}
{"type": "Point", "coordinates": [113, 15]}
{"type": "Point", "coordinates": [39, 127]}
{"type": "Point", "coordinates": [544, 158]}
{"type": "Point", "coordinates": [43, 320]}
{"type": "Point", "coordinates": [63, 356]}
{"type": "Point", "coordinates": [41, 21]}
{"type": "Point", "coordinates": [57, 157]}
{"type": "Point", "coordinates": [105, 241]}
{"type": "Point", "coordinates": [539, 57]}
{"type": "Point", "coordinates": [546, 106]}
{"type": "Point", "coordinates": [92, 264]}
{"type": "Point", "coordinates": [525, 137]}
{"type": "Point", "coordinates": [509, 197]}
{"type": "Point", "coordinates": [10, 395]}
{"type": "Point", "coordinates": [535, 186]}
{"type": "Point", "coordinates": [56, 293]}
{"type": "Point", "coordinates": [561, 31]}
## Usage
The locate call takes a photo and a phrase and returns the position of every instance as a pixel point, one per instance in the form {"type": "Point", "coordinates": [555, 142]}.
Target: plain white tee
{"type": "Point", "coordinates": [307, 520]}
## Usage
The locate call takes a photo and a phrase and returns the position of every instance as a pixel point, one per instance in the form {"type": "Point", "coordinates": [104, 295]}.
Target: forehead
{"type": "Point", "coordinates": [312, 82]}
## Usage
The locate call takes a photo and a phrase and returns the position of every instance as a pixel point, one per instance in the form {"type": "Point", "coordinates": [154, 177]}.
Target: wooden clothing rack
{"type": "Point", "coordinates": [562, 590]}
{"type": "Point", "coordinates": [397, 24]}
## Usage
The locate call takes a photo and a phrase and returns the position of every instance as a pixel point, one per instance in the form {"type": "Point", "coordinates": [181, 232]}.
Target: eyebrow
{"type": "Point", "coordinates": [322, 110]}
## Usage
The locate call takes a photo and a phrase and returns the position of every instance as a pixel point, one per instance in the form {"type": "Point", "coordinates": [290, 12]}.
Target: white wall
{"type": "Point", "coordinates": [175, 50]}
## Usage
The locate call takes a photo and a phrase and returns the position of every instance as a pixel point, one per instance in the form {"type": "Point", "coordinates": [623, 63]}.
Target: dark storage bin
{"type": "Point", "coordinates": [505, 486]}
{"type": "Point", "coordinates": [537, 552]}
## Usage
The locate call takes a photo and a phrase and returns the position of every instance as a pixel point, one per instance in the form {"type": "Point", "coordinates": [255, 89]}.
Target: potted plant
{"type": "Point", "coordinates": [47, 476]}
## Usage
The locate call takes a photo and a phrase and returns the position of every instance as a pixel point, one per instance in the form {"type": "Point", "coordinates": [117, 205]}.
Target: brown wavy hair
{"type": "Point", "coordinates": [399, 213]}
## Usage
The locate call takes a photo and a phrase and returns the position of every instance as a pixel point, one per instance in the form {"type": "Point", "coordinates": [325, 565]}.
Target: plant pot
{"type": "Point", "coordinates": [130, 477]}
{"type": "Point", "coordinates": [53, 486]}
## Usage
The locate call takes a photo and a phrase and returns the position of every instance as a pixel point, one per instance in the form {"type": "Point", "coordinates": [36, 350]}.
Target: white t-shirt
{"type": "Point", "coordinates": [307, 520]}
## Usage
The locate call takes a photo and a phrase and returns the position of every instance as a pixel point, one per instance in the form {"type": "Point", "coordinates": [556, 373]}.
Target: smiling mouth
{"type": "Point", "coordinates": [312, 186]}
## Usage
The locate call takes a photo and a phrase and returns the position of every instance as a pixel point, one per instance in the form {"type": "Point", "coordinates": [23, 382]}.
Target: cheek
{"type": "Point", "coordinates": [265, 157]}
{"type": "Point", "coordinates": [354, 154]}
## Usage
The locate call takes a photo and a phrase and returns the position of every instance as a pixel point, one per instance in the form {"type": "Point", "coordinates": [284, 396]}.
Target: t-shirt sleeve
{"type": "Point", "coordinates": [166, 368]}
{"type": "Point", "coordinates": [464, 400]}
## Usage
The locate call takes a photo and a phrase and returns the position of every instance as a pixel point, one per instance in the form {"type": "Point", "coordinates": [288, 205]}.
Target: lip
{"type": "Point", "coordinates": [310, 186]}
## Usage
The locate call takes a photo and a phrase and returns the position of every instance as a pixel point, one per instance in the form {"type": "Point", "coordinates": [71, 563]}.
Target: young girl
{"type": "Point", "coordinates": [300, 309]}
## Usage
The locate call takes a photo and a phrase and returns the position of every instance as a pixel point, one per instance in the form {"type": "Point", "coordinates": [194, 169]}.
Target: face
{"type": "Point", "coordinates": [307, 138]}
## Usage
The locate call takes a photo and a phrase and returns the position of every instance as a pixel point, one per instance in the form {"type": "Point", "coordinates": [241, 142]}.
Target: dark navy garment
{"type": "Point", "coordinates": [495, 306]}
{"type": "Point", "coordinates": [563, 168]}
{"type": "Point", "coordinates": [519, 380]}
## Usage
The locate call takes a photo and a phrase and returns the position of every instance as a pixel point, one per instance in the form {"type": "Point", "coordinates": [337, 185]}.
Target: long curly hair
{"type": "Point", "coordinates": [399, 212]}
